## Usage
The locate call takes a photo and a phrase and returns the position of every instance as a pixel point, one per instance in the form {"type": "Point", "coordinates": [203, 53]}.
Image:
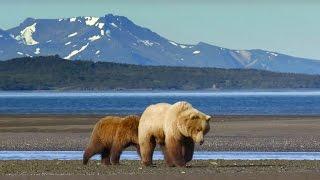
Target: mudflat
{"type": "Point", "coordinates": [220, 169]}
{"type": "Point", "coordinates": [228, 133]}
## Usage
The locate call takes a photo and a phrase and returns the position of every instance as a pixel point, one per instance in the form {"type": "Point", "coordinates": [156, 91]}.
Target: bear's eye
{"type": "Point", "coordinates": [198, 130]}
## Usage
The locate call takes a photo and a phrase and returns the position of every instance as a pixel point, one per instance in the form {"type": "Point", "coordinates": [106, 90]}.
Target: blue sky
{"type": "Point", "coordinates": [290, 27]}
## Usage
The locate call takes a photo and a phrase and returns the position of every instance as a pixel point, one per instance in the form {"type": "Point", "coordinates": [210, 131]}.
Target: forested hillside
{"type": "Point", "coordinates": [54, 73]}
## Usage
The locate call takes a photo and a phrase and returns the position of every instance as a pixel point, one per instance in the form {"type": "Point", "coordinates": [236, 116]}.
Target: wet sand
{"type": "Point", "coordinates": [277, 176]}
{"type": "Point", "coordinates": [220, 169]}
{"type": "Point", "coordinates": [228, 133]}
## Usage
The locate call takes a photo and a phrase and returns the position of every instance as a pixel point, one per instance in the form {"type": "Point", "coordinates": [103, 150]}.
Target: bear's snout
{"type": "Point", "coordinates": [201, 142]}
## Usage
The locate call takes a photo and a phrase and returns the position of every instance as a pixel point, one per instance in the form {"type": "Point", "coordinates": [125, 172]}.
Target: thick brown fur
{"type": "Point", "coordinates": [110, 136]}
{"type": "Point", "coordinates": [176, 128]}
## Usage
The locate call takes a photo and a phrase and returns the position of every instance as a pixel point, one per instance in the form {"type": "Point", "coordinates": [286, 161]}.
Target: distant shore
{"type": "Point", "coordinates": [36, 73]}
{"type": "Point", "coordinates": [228, 133]}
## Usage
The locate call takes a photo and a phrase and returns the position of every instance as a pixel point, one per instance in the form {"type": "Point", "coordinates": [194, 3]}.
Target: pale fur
{"type": "Point", "coordinates": [165, 123]}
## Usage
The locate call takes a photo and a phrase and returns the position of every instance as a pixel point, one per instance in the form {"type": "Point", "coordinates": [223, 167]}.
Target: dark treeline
{"type": "Point", "coordinates": [54, 73]}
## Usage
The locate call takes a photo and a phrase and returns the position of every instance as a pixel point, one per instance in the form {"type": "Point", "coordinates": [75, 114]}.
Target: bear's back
{"type": "Point", "coordinates": [106, 129]}
{"type": "Point", "coordinates": [154, 114]}
{"type": "Point", "coordinates": [152, 120]}
{"type": "Point", "coordinates": [128, 129]}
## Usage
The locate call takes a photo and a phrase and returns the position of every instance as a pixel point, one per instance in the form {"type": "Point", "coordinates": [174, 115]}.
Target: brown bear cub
{"type": "Point", "coordinates": [110, 136]}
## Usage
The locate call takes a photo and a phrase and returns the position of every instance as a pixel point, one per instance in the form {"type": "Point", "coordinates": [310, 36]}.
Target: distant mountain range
{"type": "Point", "coordinates": [117, 39]}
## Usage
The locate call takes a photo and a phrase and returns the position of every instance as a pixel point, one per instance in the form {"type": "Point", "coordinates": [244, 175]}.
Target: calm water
{"type": "Point", "coordinates": [131, 155]}
{"type": "Point", "coordinates": [218, 103]}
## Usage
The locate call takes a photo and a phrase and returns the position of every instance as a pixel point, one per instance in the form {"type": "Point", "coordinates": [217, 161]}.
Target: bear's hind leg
{"type": "Point", "coordinates": [105, 157]}
{"type": "Point", "coordinates": [138, 149]}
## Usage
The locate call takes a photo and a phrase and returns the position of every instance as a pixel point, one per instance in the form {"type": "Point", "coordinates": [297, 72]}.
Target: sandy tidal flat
{"type": "Point", "coordinates": [228, 133]}
{"type": "Point", "coordinates": [131, 169]}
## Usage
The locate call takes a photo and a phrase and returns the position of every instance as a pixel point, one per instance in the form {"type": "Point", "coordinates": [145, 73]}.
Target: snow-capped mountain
{"type": "Point", "coordinates": [117, 39]}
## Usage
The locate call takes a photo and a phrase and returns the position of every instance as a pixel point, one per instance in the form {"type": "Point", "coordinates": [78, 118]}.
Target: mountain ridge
{"type": "Point", "coordinates": [117, 39]}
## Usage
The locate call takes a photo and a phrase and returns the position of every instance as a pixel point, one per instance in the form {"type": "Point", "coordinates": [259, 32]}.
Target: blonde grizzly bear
{"type": "Point", "coordinates": [175, 128]}
{"type": "Point", "coordinates": [110, 136]}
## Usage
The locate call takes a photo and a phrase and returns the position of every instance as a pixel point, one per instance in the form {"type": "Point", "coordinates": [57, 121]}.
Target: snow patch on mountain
{"type": "Point", "coordinates": [145, 42]}
{"type": "Point", "coordinates": [97, 52]}
{"type": "Point", "coordinates": [67, 43]}
{"type": "Point", "coordinates": [75, 52]}
{"type": "Point", "coordinates": [73, 34]}
{"type": "Point", "coordinates": [182, 46]}
{"type": "Point", "coordinates": [26, 35]}
{"type": "Point", "coordinates": [94, 38]}
{"type": "Point", "coordinates": [113, 24]}
{"type": "Point", "coordinates": [20, 53]}
{"type": "Point", "coordinates": [73, 19]}
{"type": "Point", "coordinates": [173, 43]}
{"type": "Point", "coordinates": [37, 51]}
{"type": "Point", "coordinates": [196, 52]}
{"type": "Point", "coordinates": [90, 21]}
{"type": "Point", "coordinates": [100, 25]}
{"type": "Point", "coordinates": [272, 53]}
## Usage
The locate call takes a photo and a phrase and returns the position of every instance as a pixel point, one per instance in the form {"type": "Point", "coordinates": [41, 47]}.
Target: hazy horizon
{"type": "Point", "coordinates": [288, 27]}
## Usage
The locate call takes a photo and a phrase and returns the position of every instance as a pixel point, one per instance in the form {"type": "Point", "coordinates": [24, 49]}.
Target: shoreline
{"type": "Point", "coordinates": [216, 117]}
{"type": "Point", "coordinates": [172, 90]}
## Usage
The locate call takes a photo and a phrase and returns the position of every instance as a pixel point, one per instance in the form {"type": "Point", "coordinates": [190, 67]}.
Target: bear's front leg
{"type": "Point", "coordinates": [116, 151]}
{"type": "Point", "coordinates": [174, 151]}
{"type": "Point", "coordinates": [188, 149]}
{"type": "Point", "coordinates": [167, 159]}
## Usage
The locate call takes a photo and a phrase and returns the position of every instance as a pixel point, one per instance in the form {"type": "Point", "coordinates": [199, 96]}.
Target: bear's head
{"type": "Point", "coordinates": [191, 122]}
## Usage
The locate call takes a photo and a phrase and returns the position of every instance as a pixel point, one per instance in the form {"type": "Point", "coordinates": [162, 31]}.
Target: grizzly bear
{"type": "Point", "coordinates": [175, 128]}
{"type": "Point", "coordinates": [110, 136]}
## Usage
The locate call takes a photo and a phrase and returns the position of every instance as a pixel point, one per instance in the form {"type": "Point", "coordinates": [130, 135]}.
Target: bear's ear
{"type": "Point", "coordinates": [208, 118]}
{"type": "Point", "coordinates": [182, 105]}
